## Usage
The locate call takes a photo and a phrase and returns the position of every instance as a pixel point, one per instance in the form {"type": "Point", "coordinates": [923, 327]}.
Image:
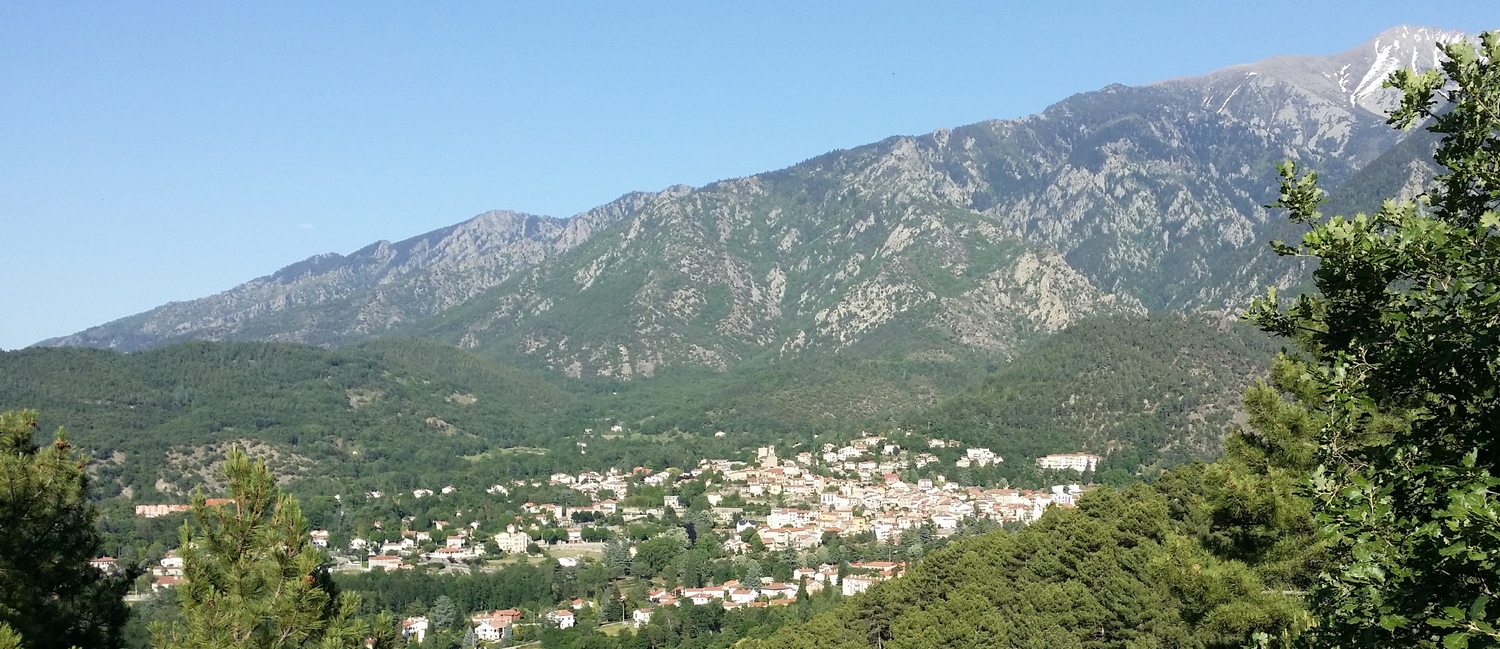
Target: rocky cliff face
{"type": "Point", "coordinates": [966, 240]}
{"type": "Point", "coordinates": [813, 259]}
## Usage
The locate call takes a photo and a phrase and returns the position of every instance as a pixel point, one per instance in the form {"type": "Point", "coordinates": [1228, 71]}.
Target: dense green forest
{"type": "Point", "coordinates": [1147, 393]}
{"type": "Point", "coordinates": [368, 412]}
{"type": "Point", "coordinates": [403, 414]}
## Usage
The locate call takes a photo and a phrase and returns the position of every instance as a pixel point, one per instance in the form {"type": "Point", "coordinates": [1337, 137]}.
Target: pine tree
{"type": "Point", "coordinates": [49, 594]}
{"type": "Point", "coordinates": [253, 577]}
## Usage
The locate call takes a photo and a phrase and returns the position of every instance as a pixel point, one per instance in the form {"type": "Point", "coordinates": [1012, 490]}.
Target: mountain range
{"type": "Point", "coordinates": [970, 240]}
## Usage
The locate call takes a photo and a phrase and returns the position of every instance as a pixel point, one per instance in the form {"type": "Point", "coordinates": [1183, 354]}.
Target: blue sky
{"type": "Point", "coordinates": [165, 151]}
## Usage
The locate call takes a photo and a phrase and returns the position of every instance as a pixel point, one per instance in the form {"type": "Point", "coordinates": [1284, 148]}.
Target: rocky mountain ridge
{"type": "Point", "coordinates": [970, 240]}
{"type": "Point", "coordinates": [331, 297]}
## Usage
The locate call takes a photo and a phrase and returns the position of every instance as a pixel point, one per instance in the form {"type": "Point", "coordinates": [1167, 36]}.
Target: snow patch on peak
{"type": "Point", "coordinates": [1419, 48]}
{"type": "Point", "coordinates": [1340, 77]}
{"type": "Point", "coordinates": [1397, 48]}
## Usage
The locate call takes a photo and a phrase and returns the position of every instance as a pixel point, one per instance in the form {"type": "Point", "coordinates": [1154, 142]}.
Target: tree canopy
{"type": "Point", "coordinates": [50, 595]}
{"type": "Point", "coordinates": [1401, 349]}
{"type": "Point", "coordinates": [253, 577]}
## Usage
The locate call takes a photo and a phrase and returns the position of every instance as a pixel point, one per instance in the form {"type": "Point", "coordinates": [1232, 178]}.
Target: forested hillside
{"type": "Point", "coordinates": [157, 420]}
{"type": "Point", "coordinates": [1146, 392]}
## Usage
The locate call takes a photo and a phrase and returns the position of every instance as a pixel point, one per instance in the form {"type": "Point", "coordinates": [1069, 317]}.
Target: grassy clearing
{"type": "Point", "coordinates": [592, 550]}
{"type": "Point", "coordinates": [493, 453]}
{"type": "Point", "coordinates": [614, 628]}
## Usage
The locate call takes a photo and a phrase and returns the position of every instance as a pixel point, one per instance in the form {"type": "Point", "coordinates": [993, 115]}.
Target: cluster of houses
{"type": "Point", "coordinates": [841, 489]}
{"type": "Point", "coordinates": [167, 573]}
{"type": "Point", "coordinates": [390, 555]}
{"type": "Point", "coordinates": [891, 509]}
{"type": "Point", "coordinates": [157, 511]}
{"type": "Point", "coordinates": [493, 626]}
{"type": "Point", "coordinates": [846, 490]}
{"type": "Point", "coordinates": [732, 594]}
{"type": "Point", "coordinates": [855, 495]}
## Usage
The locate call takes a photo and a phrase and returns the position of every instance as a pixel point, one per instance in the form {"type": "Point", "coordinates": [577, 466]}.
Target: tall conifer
{"type": "Point", "coordinates": [49, 594]}
{"type": "Point", "coordinates": [253, 577]}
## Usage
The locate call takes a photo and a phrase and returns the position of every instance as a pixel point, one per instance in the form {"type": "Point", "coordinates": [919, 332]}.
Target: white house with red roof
{"type": "Point", "coordinates": [414, 626]}
{"type": "Point", "coordinates": [641, 617]}
{"type": "Point", "coordinates": [388, 562]}
{"type": "Point", "coordinates": [491, 626]}
{"type": "Point", "coordinates": [563, 618]}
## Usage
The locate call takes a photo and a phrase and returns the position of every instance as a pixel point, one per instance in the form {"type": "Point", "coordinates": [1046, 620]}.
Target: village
{"type": "Point", "coordinates": [765, 504]}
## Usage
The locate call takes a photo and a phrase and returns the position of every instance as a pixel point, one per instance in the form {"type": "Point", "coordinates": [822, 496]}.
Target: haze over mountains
{"type": "Point", "coordinates": [975, 239]}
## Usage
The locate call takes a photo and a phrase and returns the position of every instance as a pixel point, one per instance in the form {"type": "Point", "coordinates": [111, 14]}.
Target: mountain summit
{"type": "Point", "coordinates": [969, 240]}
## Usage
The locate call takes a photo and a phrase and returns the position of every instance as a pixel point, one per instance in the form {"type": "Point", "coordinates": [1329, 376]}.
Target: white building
{"type": "Point", "coordinates": [641, 617]}
{"type": "Point", "coordinates": [1079, 462]}
{"type": "Point", "coordinates": [564, 619]}
{"type": "Point", "coordinates": [488, 632]}
{"type": "Point", "coordinates": [982, 456]}
{"type": "Point", "coordinates": [512, 541]}
{"type": "Point", "coordinates": [855, 584]}
{"type": "Point", "coordinates": [491, 626]}
{"type": "Point", "coordinates": [414, 626]}
{"type": "Point", "coordinates": [387, 562]}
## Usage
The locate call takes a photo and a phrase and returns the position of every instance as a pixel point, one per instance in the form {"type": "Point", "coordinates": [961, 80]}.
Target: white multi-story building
{"type": "Point", "coordinates": [641, 617]}
{"type": "Point", "coordinates": [1079, 462]}
{"type": "Point", "coordinates": [982, 456]}
{"type": "Point", "coordinates": [855, 584]}
{"type": "Point", "coordinates": [512, 541]}
{"type": "Point", "coordinates": [491, 626]}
